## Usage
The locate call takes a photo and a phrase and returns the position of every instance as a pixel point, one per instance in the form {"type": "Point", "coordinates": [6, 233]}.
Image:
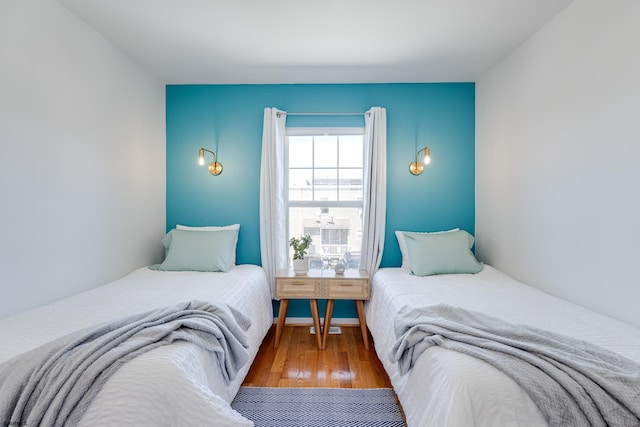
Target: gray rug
{"type": "Point", "coordinates": [316, 407]}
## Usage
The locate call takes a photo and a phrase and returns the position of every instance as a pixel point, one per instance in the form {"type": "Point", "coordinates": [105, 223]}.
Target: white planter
{"type": "Point", "coordinates": [301, 266]}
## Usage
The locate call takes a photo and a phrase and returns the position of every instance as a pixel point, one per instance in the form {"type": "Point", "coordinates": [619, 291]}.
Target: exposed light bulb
{"type": "Point", "coordinates": [201, 160]}
{"type": "Point", "coordinates": [427, 156]}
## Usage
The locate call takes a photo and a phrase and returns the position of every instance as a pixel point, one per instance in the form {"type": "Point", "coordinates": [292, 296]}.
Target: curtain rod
{"type": "Point", "coordinates": [321, 114]}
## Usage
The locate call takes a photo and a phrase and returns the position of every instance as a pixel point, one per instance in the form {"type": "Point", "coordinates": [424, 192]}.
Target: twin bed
{"type": "Point", "coordinates": [450, 388]}
{"type": "Point", "coordinates": [168, 385]}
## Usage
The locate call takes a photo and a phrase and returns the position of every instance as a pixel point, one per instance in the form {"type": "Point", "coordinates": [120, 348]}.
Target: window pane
{"type": "Point", "coordinates": [351, 154]}
{"type": "Point", "coordinates": [326, 151]}
{"type": "Point", "coordinates": [325, 183]}
{"type": "Point", "coordinates": [336, 234]}
{"type": "Point", "coordinates": [300, 187]}
{"type": "Point", "coordinates": [350, 184]}
{"type": "Point", "coordinates": [312, 231]}
{"type": "Point", "coordinates": [300, 151]}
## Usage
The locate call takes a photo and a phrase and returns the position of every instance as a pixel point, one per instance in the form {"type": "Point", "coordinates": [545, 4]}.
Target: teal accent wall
{"type": "Point", "coordinates": [228, 120]}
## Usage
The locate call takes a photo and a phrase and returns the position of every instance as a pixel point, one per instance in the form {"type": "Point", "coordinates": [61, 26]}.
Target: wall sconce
{"type": "Point", "coordinates": [417, 167]}
{"type": "Point", "coordinates": [215, 168]}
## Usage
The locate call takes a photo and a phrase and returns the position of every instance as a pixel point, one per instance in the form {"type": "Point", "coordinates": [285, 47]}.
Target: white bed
{"type": "Point", "coordinates": [172, 385]}
{"type": "Point", "coordinates": [446, 388]}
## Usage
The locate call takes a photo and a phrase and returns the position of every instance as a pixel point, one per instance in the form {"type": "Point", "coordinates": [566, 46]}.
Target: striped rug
{"type": "Point", "coordinates": [318, 407]}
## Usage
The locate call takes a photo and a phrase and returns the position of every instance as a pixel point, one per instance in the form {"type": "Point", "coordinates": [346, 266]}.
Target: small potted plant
{"type": "Point", "coordinates": [300, 245]}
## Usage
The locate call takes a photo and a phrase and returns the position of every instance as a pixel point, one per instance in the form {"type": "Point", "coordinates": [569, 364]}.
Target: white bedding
{"type": "Point", "coordinates": [170, 385]}
{"type": "Point", "coordinates": [446, 388]}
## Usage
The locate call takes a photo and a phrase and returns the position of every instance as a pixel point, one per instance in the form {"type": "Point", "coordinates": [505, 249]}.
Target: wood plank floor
{"type": "Point", "coordinates": [297, 362]}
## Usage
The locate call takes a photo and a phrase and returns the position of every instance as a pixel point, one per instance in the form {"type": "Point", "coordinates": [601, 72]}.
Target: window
{"type": "Point", "coordinates": [325, 191]}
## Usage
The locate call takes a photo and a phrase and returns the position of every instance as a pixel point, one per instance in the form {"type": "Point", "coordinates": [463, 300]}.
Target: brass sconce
{"type": "Point", "coordinates": [417, 167]}
{"type": "Point", "coordinates": [215, 168]}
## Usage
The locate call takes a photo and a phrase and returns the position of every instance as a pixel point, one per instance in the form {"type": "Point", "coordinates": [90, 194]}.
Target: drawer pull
{"type": "Point", "coordinates": [346, 284]}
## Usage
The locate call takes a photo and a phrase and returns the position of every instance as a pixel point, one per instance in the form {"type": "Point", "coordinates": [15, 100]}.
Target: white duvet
{"type": "Point", "coordinates": [170, 385]}
{"type": "Point", "coordinates": [446, 388]}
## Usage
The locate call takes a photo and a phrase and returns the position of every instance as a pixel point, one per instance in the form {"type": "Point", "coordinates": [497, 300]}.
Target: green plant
{"type": "Point", "coordinates": [300, 246]}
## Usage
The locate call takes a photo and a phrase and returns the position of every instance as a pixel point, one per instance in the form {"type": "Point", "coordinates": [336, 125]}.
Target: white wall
{"type": "Point", "coordinates": [558, 159]}
{"type": "Point", "coordinates": [82, 157]}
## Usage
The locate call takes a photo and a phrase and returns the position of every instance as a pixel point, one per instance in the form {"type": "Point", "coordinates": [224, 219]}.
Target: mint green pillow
{"type": "Point", "coordinates": [190, 250]}
{"type": "Point", "coordinates": [441, 253]}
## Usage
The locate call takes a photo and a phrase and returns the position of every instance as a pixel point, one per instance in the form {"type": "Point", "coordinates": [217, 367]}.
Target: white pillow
{"type": "Point", "coordinates": [406, 261]}
{"type": "Point", "coordinates": [236, 227]}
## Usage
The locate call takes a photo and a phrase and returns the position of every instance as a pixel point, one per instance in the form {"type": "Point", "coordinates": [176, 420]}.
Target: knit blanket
{"type": "Point", "coordinates": [54, 384]}
{"type": "Point", "coordinates": [572, 382]}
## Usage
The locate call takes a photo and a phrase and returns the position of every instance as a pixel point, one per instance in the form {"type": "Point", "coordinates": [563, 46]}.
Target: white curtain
{"type": "Point", "coordinates": [273, 231]}
{"type": "Point", "coordinates": [375, 189]}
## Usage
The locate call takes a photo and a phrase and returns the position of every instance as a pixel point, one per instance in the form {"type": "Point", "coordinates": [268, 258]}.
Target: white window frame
{"type": "Point", "coordinates": [314, 131]}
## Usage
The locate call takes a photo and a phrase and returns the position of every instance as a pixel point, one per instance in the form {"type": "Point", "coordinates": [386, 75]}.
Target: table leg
{"type": "Point", "coordinates": [316, 321]}
{"type": "Point", "coordinates": [282, 316]}
{"type": "Point", "coordinates": [363, 323]}
{"type": "Point", "coordinates": [327, 322]}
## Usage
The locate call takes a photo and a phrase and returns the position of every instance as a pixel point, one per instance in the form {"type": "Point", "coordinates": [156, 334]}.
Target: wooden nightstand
{"type": "Point", "coordinates": [353, 284]}
{"type": "Point", "coordinates": [298, 286]}
{"type": "Point", "coordinates": [316, 284]}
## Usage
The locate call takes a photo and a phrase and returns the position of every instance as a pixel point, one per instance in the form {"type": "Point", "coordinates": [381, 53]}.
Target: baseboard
{"type": "Point", "coordinates": [342, 321]}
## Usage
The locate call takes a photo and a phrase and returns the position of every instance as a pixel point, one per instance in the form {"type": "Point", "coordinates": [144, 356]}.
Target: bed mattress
{"type": "Point", "coordinates": [171, 385]}
{"type": "Point", "coordinates": [446, 388]}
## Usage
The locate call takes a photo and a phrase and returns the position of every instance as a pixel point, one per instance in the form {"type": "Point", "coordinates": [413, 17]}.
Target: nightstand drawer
{"type": "Point", "coordinates": [348, 289]}
{"type": "Point", "coordinates": [298, 288]}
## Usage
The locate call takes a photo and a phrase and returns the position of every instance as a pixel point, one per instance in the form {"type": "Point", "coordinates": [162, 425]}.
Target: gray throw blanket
{"type": "Point", "coordinates": [54, 384]}
{"type": "Point", "coordinates": [573, 382]}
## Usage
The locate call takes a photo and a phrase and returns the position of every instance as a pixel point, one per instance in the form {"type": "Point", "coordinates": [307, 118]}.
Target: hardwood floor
{"type": "Point", "coordinates": [297, 362]}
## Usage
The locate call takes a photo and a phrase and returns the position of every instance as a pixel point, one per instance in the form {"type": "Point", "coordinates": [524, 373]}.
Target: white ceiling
{"type": "Point", "coordinates": [319, 41]}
